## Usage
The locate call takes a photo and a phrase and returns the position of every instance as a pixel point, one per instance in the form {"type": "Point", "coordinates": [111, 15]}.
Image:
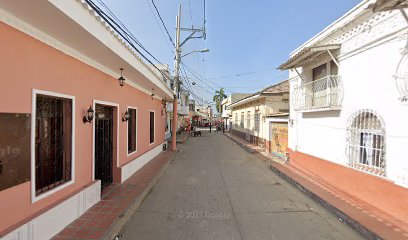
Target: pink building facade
{"type": "Point", "coordinates": [58, 59]}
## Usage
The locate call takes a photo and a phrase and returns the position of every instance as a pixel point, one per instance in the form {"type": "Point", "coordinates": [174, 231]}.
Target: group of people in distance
{"type": "Point", "coordinates": [218, 127]}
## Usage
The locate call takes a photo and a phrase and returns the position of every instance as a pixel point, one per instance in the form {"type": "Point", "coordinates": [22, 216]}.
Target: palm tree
{"type": "Point", "coordinates": [218, 97]}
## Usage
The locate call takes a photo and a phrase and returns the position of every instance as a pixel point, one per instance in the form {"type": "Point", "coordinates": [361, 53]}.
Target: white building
{"type": "Point", "coordinates": [348, 117]}
{"type": "Point", "coordinates": [226, 113]}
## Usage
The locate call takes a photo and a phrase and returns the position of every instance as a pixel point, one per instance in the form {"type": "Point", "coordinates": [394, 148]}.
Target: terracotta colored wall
{"type": "Point", "coordinates": [26, 63]}
{"type": "Point", "coordinates": [376, 191]}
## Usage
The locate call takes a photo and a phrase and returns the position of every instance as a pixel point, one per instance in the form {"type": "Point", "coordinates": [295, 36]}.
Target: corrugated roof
{"type": "Point", "coordinates": [278, 88]}
{"type": "Point", "coordinates": [306, 55]}
{"type": "Point", "coordinates": [282, 87]}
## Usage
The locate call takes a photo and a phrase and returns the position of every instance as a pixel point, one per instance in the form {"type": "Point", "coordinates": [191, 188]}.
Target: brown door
{"type": "Point", "coordinates": [104, 144]}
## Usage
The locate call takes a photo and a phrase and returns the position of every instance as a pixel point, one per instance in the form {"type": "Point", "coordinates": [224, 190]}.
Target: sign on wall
{"type": "Point", "coordinates": [14, 149]}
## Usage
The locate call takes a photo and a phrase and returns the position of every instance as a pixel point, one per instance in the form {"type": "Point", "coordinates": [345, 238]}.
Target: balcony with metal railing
{"type": "Point", "coordinates": [320, 95]}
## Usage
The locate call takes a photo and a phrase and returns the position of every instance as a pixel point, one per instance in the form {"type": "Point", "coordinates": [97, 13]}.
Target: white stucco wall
{"type": "Point", "coordinates": [265, 106]}
{"type": "Point", "coordinates": [368, 60]}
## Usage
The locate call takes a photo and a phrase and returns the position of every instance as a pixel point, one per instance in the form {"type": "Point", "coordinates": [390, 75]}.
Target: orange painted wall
{"type": "Point", "coordinates": [27, 64]}
{"type": "Point", "coordinates": [379, 192]}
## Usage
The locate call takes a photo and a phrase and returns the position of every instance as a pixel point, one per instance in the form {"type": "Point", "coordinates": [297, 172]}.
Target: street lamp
{"type": "Point", "coordinates": [200, 51]}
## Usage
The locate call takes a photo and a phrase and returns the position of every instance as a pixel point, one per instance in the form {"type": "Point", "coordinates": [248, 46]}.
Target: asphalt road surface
{"type": "Point", "coordinates": [215, 190]}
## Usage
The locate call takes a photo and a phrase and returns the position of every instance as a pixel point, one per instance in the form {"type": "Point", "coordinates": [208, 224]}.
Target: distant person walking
{"type": "Point", "coordinates": [223, 128]}
{"type": "Point", "coordinates": [210, 127]}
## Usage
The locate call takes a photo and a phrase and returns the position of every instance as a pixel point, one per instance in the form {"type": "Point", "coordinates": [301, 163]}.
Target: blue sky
{"type": "Point", "coordinates": [243, 36]}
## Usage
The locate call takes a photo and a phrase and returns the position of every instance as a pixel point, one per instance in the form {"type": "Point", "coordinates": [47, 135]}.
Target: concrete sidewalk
{"type": "Point", "coordinates": [215, 190]}
{"type": "Point", "coordinates": [373, 223]}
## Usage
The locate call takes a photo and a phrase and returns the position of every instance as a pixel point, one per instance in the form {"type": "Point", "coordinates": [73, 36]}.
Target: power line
{"type": "Point", "coordinates": [243, 74]}
{"type": "Point", "coordinates": [191, 15]}
{"type": "Point", "coordinates": [160, 26]}
{"type": "Point", "coordinates": [200, 78]}
{"type": "Point", "coordinates": [164, 25]}
{"type": "Point", "coordinates": [121, 29]}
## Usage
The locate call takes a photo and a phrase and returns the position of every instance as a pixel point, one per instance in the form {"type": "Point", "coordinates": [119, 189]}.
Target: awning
{"type": "Point", "coordinates": [387, 5]}
{"type": "Point", "coordinates": [308, 54]}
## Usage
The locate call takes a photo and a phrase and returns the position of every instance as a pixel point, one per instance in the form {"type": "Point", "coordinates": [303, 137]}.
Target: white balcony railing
{"type": "Point", "coordinates": [183, 110]}
{"type": "Point", "coordinates": [322, 94]}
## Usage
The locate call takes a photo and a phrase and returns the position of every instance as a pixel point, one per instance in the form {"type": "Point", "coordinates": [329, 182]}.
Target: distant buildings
{"type": "Point", "coordinates": [226, 112]}
{"type": "Point", "coordinates": [348, 116]}
{"type": "Point", "coordinates": [261, 118]}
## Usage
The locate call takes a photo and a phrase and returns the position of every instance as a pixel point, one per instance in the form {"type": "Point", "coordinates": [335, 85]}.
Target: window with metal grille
{"type": "Point", "coordinates": [366, 142]}
{"type": "Point", "coordinates": [132, 135]}
{"type": "Point", "coordinates": [236, 119]}
{"type": "Point", "coordinates": [152, 127]}
{"type": "Point", "coordinates": [53, 142]}
{"type": "Point", "coordinates": [241, 124]}
{"type": "Point", "coordinates": [257, 121]}
{"type": "Point", "coordinates": [248, 122]}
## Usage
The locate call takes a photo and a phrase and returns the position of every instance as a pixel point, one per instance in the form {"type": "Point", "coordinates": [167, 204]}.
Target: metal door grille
{"type": "Point", "coordinates": [104, 144]}
{"type": "Point", "coordinates": [53, 134]}
{"type": "Point", "coordinates": [366, 142]}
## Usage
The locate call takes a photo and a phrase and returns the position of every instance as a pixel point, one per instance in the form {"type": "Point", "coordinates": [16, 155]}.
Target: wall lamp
{"type": "Point", "coordinates": [121, 78]}
{"type": "Point", "coordinates": [89, 115]}
{"type": "Point", "coordinates": [153, 95]}
{"type": "Point", "coordinates": [126, 116]}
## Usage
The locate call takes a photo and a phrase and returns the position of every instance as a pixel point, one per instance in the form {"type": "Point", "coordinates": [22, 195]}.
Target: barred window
{"type": "Point", "coordinates": [257, 121]}
{"type": "Point", "coordinates": [366, 142]}
{"type": "Point", "coordinates": [241, 124]}
{"type": "Point", "coordinates": [132, 135]}
{"type": "Point", "coordinates": [53, 142]}
{"type": "Point", "coordinates": [248, 123]}
{"type": "Point", "coordinates": [236, 119]}
{"type": "Point", "coordinates": [152, 121]}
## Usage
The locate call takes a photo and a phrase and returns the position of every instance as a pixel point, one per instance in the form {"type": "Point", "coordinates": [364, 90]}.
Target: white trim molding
{"type": "Point", "coordinates": [130, 168]}
{"type": "Point", "coordinates": [32, 31]}
{"type": "Point", "coordinates": [35, 92]}
{"type": "Point", "coordinates": [51, 222]}
{"type": "Point", "coordinates": [115, 105]}
{"type": "Point", "coordinates": [154, 127]}
{"type": "Point", "coordinates": [127, 132]}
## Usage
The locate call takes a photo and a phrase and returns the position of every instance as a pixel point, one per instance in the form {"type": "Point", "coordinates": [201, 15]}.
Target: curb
{"type": "Point", "coordinates": [136, 204]}
{"type": "Point", "coordinates": [245, 147]}
{"type": "Point", "coordinates": [340, 214]}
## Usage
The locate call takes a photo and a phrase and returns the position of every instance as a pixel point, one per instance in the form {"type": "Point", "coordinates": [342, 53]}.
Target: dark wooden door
{"type": "Point", "coordinates": [104, 144]}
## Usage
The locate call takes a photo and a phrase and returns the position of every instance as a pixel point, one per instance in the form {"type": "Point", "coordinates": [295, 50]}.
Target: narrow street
{"type": "Point", "coordinates": [216, 190]}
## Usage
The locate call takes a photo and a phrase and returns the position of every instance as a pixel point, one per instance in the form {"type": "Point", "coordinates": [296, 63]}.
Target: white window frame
{"type": "Point", "coordinates": [115, 105]}
{"type": "Point", "coordinates": [36, 92]}
{"type": "Point", "coordinates": [127, 132]}
{"type": "Point", "coordinates": [248, 120]}
{"type": "Point", "coordinates": [356, 164]}
{"type": "Point", "coordinates": [154, 127]}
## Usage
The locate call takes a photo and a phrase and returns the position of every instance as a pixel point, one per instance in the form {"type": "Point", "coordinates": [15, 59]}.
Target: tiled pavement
{"type": "Point", "coordinates": [370, 221]}
{"type": "Point", "coordinates": [118, 202]}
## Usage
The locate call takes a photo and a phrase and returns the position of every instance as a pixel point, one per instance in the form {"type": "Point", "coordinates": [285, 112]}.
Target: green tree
{"type": "Point", "coordinates": [218, 98]}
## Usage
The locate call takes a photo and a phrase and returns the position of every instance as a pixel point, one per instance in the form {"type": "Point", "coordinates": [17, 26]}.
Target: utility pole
{"type": "Point", "coordinates": [176, 81]}
{"type": "Point", "coordinates": [177, 61]}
